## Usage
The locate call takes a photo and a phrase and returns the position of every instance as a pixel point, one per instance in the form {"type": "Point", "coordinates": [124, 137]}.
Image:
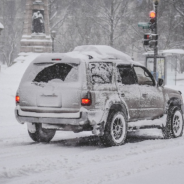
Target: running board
{"type": "Point", "coordinates": [146, 124]}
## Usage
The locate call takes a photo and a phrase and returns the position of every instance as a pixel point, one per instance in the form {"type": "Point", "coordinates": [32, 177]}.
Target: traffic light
{"type": "Point", "coordinates": [150, 40]}
{"type": "Point", "coordinates": [146, 39]}
{"type": "Point", "coordinates": [152, 22]}
{"type": "Point", "coordinates": [153, 40]}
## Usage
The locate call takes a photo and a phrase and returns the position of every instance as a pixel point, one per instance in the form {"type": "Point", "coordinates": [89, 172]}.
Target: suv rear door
{"type": "Point", "coordinates": [101, 82]}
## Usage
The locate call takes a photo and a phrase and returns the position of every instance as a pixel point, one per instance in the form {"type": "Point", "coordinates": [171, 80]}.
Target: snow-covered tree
{"type": "Point", "coordinates": [12, 16]}
{"type": "Point", "coordinates": [104, 22]}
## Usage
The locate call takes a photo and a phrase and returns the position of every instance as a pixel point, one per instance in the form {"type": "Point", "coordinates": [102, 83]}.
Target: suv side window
{"type": "Point", "coordinates": [101, 72]}
{"type": "Point", "coordinates": [144, 76]}
{"type": "Point", "coordinates": [127, 74]}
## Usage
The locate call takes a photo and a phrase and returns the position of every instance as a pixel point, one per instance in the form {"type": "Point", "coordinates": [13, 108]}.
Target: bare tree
{"type": "Point", "coordinates": [179, 6]}
{"type": "Point", "coordinates": [59, 10]}
{"type": "Point", "coordinates": [109, 15]}
{"type": "Point", "coordinates": [104, 22]}
{"type": "Point", "coordinates": [12, 19]}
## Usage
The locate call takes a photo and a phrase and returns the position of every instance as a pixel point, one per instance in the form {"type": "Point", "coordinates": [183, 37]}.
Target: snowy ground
{"type": "Point", "coordinates": [71, 158]}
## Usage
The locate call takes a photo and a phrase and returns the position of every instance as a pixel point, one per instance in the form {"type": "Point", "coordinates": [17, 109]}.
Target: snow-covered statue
{"type": "Point", "coordinates": [38, 22]}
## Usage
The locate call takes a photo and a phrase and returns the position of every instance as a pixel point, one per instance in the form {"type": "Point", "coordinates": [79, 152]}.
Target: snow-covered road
{"type": "Point", "coordinates": [71, 158]}
{"type": "Point", "coordinates": [141, 160]}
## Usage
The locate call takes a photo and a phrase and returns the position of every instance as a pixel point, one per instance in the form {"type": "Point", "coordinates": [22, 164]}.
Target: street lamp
{"type": "Point", "coordinates": [53, 35]}
{"type": "Point", "coordinates": [1, 27]}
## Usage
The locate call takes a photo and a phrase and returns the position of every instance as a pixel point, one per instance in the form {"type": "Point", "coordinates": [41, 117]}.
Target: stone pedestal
{"type": "Point", "coordinates": [36, 34]}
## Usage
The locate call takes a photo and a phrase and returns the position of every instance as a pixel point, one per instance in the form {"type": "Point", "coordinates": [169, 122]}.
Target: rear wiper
{"type": "Point", "coordinates": [45, 63]}
{"type": "Point", "coordinates": [38, 84]}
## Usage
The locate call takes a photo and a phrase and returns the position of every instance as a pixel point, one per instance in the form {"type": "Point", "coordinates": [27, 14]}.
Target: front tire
{"type": "Point", "coordinates": [115, 130]}
{"type": "Point", "coordinates": [174, 124]}
{"type": "Point", "coordinates": [41, 134]}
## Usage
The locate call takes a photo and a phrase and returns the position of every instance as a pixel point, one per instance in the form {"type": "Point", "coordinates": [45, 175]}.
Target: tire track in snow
{"type": "Point", "coordinates": [99, 162]}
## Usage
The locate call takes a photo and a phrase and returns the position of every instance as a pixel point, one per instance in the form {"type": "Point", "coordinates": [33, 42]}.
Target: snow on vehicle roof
{"type": "Point", "coordinates": [87, 53]}
{"type": "Point", "coordinates": [102, 52]}
{"type": "Point", "coordinates": [55, 57]}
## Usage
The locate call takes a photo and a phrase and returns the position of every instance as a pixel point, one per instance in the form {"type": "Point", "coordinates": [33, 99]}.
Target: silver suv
{"type": "Point", "coordinates": [90, 89]}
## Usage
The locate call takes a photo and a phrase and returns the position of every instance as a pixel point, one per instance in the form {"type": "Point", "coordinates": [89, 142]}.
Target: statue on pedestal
{"type": "Point", "coordinates": [38, 21]}
{"type": "Point", "coordinates": [36, 34]}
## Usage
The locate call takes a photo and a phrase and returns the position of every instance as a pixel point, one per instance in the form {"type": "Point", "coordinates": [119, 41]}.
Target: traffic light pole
{"type": "Point", "coordinates": [151, 39]}
{"type": "Point", "coordinates": [156, 47]}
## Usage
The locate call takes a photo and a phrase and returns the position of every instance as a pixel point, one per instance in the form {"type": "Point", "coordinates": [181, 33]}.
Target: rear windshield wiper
{"type": "Point", "coordinates": [45, 63]}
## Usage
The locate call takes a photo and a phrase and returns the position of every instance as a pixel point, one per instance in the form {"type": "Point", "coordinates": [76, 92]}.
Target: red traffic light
{"type": "Point", "coordinates": [152, 14]}
{"type": "Point", "coordinates": [146, 36]}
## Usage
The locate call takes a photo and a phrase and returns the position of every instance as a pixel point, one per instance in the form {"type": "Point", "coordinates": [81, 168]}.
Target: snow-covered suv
{"type": "Point", "coordinates": [98, 89]}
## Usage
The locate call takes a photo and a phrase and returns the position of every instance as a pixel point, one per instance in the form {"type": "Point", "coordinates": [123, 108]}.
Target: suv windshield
{"type": "Point", "coordinates": [101, 73]}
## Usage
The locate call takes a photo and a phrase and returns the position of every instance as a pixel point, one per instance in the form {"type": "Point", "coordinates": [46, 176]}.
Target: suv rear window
{"type": "Point", "coordinates": [101, 73]}
{"type": "Point", "coordinates": [46, 72]}
{"type": "Point", "coordinates": [61, 71]}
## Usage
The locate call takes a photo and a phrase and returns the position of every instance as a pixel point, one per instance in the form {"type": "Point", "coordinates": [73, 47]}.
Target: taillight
{"type": "Point", "coordinates": [17, 99]}
{"type": "Point", "coordinates": [86, 100]}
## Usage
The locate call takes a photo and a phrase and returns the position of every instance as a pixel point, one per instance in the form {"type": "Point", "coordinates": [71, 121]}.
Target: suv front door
{"type": "Point", "coordinates": [152, 100]}
{"type": "Point", "coordinates": [128, 89]}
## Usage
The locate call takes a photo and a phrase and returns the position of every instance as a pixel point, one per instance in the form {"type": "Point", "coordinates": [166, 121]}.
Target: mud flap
{"type": "Point", "coordinates": [182, 108]}
{"type": "Point", "coordinates": [99, 124]}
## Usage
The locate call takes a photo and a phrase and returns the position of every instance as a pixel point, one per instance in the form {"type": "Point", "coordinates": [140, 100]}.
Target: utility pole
{"type": "Point", "coordinates": [156, 31]}
{"type": "Point", "coordinates": [151, 39]}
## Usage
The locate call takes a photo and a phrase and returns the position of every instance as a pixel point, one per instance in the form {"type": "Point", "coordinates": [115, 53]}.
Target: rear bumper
{"type": "Point", "coordinates": [93, 118]}
{"type": "Point", "coordinates": [79, 118]}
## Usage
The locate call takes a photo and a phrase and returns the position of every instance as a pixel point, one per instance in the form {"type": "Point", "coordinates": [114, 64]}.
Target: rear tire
{"type": "Point", "coordinates": [174, 124]}
{"type": "Point", "coordinates": [115, 130]}
{"type": "Point", "coordinates": [41, 134]}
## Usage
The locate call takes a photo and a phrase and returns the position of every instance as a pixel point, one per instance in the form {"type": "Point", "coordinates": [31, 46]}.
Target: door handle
{"type": "Point", "coordinates": [145, 95]}
{"type": "Point", "coordinates": [122, 94]}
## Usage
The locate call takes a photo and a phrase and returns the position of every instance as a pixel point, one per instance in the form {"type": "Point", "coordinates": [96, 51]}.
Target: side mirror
{"type": "Point", "coordinates": [160, 82]}
{"type": "Point", "coordinates": [1, 27]}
